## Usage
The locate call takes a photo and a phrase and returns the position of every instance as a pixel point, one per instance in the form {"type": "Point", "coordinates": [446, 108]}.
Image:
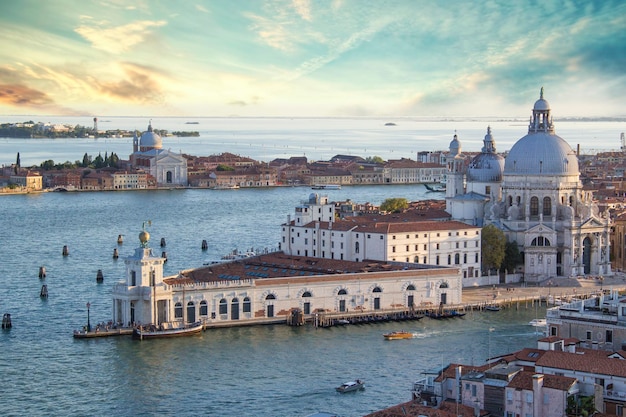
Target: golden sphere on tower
{"type": "Point", "coordinates": [144, 236]}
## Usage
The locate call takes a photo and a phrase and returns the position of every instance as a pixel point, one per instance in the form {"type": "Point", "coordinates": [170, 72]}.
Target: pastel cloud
{"type": "Point", "coordinates": [118, 39]}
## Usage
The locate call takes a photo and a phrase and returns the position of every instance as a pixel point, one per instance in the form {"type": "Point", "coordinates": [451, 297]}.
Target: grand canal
{"type": "Point", "coordinates": [255, 371]}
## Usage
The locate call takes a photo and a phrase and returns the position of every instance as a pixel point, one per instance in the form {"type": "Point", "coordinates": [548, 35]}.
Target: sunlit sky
{"type": "Point", "coordinates": [305, 58]}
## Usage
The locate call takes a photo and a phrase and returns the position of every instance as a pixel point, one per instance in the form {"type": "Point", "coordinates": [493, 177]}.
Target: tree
{"type": "Point", "coordinates": [512, 256]}
{"type": "Point", "coordinates": [86, 160]}
{"type": "Point", "coordinates": [47, 165]}
{"type": "Point", "coordinates": [222, 167]}
{"type": "Point", "coordinates": [492, 247]}
{"type": "Point", "coordinates": [375, 160]}
{"type": "Point", "coordinates": [394, 205]}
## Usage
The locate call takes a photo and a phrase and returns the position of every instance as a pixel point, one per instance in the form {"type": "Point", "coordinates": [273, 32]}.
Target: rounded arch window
{"type": "Point", "coordinates": [204, 311]}
{"type": "Point", "coordinates": [223, 306]}
{"type": "Point", "coordinates": [306, 294]}
{"type": "Point", "coordinates": [246, 305]}
{"type": "Point", "coordinates": [178, 310]}
{"type": "Point", "coordinates": [377, 289]}
{"type": "Point", "coordinates": [342, 292]}
{"type": "Point", "coordinates": [444, 285]}
{"type": "Point", "coordinates": [534, 206]}
{"type": "Point", "coordinates": [411, 287]}
{"type": "Point", "coordinates": [270, 297]}
{"type": "Point", "coordinates": [547, 206]}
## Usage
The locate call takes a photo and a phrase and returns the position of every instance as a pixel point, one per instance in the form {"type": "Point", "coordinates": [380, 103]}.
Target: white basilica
{"type": "Point", "coordinates": [535, 196]}
{"type": "Point", "coordinates": [168, 168]}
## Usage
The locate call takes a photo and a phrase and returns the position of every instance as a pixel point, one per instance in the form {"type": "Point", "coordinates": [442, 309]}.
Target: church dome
{"type": "Point", "coordinates": [541, 151]}
{"type": "Point", "coordinates": [149, 139]}
{"type": "Point", "coordinates": [455, 146]}
{"type": "Point", "coordinates": [487, 166]}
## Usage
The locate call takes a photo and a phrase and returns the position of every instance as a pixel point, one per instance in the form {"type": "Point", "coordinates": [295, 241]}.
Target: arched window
{"type": "Point", "coordinates": [223, 306]}
{"type": "Point", "coordinates": [246, 305]}
{"type": "Point", "coordinates": [204, 310]}
{"type": "Point", "coordinates": [571, 200]}
{"type": "Point", "coordinates": [306, 306]}
{"type": "Point", "coordinates": [356, 247]}
{"type": "Point", "coordinates": [547, 206]}
{"type": "Point", "coordinates": [518, 200]}
{"type": "Point", "coordinates": [306, 294]}
{"type": "Point", "coordinates": [270, 297]}
{"type": "Point", "coordinates": [510, 200]}
{"type": "Point", "coordinates": [416, 259]}
{"type": "Point", "coordinates": [534, 206]}
{"type": "Point", "coordinates": [377, 289]}
{"type": "Point", "coordinates": [444, 285]}
{"type": "Point", "coordinates": [410, 288]}
{"type": "Point", "coordinates": [449, 259]}
{"type": "Point", "coordinates": [457, 259]}
{"type": "Point", "coordinates": [178, 310]}
{"type": "Point", "coordinates": [342, 292]}
{"type": "Point", "coordinates": [540, 241]}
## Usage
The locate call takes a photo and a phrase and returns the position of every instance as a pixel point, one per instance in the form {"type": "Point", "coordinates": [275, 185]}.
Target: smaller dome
{"type": "Point", "coordinates": [144, 237]}
{"type": "Point", "coordinates": [541, 104]}
{"type": "Point", "coordinates": [486, 167]}
{"type": "Point", "coordinates": [149, 139]}
{"type": "Point", "coordinates": [455, 146]}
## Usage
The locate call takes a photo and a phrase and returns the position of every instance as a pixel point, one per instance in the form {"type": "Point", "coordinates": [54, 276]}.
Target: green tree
{"type": "Point", "coordinates": [492, 247]}
{"type": "Point", "coordinates": [375, 160]}
{"type": "Point", "coordinates": [86, 160]}
{"type": "Point", "coordinates": [98, 162]}
{"type": "Point", "coordinates": [394, 205]}
{"type": "Point", "coordinates": [222, 167]}
{"type": "Point", "coordinates": [512, 256]}
{"type": "Point", "coordinates": [47, 165]}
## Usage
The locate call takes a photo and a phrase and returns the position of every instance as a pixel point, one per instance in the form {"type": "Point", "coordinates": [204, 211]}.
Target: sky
{"type": "Point", "coordinates": [312, 58]}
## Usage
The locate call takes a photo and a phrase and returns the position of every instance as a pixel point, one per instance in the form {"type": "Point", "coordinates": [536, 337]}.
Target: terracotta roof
{"type": "Point", "coordinates": [415, 409]}
{"type": "Point", "coordinates": [584, 360]}
{"type": "Point", "coordinates": [280, 265]}
{"type": "Point", "coordinates": [524, 380]}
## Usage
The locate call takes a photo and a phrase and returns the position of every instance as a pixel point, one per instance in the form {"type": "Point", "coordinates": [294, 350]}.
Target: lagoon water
{"type": "Point", "coordinates": [265, 139]}
{"type": "Point", "coordinates": [254, 371]}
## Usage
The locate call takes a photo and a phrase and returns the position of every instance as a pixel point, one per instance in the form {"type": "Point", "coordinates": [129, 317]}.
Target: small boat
{"type": "Point", "coordinates": [351, 386]}
{"type": "Point", "coordinates": [538, 323]}
{"type": "Point", "coordinates": [118, 331]}
{"type": "Point", "coordinates": [398, 335]}
{"type": "Point", "coordinates": [492, 308]}
{"type": "Point", "coordinates": [436, 188]}
{"type": "Point", "coordinates": [166, 330]}
{"type": "Point", "coordinates": [226, 187]}
{"type": "Point", "coordinates": [326, 187]}
{"type": "Point", "coordinates": [233, 256]}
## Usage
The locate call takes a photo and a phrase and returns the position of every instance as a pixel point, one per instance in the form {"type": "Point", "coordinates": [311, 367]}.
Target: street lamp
{"type": "Point", "coordinates": [88, 322]}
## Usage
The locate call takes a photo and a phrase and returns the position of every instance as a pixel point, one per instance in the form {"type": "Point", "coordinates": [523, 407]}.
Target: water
{"type": "Point", "coordinates": [254, 371]}
{"type": "Point", "coordinates": [265, 139]}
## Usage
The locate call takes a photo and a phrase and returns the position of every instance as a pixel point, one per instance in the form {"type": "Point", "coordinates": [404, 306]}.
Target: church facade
{"type": "Point", "coordinates": [167, 167]}
{"type": "Point", "coordinates": [536, 198]}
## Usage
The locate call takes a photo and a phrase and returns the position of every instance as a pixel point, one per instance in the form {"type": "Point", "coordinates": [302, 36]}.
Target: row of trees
{"type": "Point", "coordinates": [110, 161]}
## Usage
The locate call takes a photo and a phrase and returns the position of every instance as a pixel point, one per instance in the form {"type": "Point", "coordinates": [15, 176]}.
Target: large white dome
{"type": "Point", "coordinates": [487, 166]}
{"type": "Point", "coordinates": [541, 153]}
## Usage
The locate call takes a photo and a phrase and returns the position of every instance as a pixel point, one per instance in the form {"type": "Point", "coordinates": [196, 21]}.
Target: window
{"type": "Point", "coordinates": [393, 248]}
{"type": "Point", "coordinates": [342, 292]}
{"type": "Point", "coordinates": [473, 390]}
{"type": "Point", "coordinates": [204, 311]}
{"type": "Point", "coordinates": [529, 397]}
{"type": "Point", "coordinates": [133, 278]}
{"type": "Point", "coordinates": [178, 311]}
{"type": "Point", "coordinates": [547, 206]}
{"type": "Point", "coordinates": [437, 260]}
{"type": "Point", "coordinates": [588, 334]}
{"type": "Point", "coordinates": [609, 336]}
{"type": "Point", "coordinates": [356, 247]}
{"type": "Point", "coordinates": [247, 308]}
{"type": "Point", "coordinates": [534, 206]}
{"type": "Point", "coordinates": [223, 306]}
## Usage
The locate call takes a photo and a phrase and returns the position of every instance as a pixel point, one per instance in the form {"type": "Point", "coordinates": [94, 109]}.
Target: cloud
{"type": "Point", "coordinates": [117, 40]}
{"type": "Point", "coordinates": [242, 103]}
{"type": "Point", "coordinates": [140, 84]}
{"type": "Point", "coordinates": [21, 95]}
{"type": "Point", "coordinates": [303, 9]}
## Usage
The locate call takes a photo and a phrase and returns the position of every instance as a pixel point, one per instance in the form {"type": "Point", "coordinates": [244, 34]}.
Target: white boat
{"type": "Point", "coordinates": [326, 187]}
{"type": "Point", "coordinates": [350, 386]}
{"type": "Point", "coordinates": [226, 187]}
{"type": "Point", "coordinates": [233, 256]}
{"type": "Point", "coordinates": [436, 188]}
{"type": "Point", "coordinates": [538, 323]}
{"type": "Point", "coordinates": [166, 330]}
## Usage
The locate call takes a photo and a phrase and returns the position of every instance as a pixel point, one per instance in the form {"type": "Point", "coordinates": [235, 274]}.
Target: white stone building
{"type": "Point", "coordinates": [316, 231]}
{"type": "Point", "coordinates": [167, 167]}
{"type": "Point", "coordinates": [267, 288]}
{"type": "Point", "coordinates": [536, 198]}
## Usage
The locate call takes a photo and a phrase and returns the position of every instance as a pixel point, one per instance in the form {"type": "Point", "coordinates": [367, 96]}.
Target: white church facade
{"type": "Point", "coordinates": [167, 167]}
{"type": "Point", "coordinates": [536, 198]}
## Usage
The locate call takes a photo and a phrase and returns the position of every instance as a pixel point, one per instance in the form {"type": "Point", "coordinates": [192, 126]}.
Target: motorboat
{"type": "Point", "coordinates": [226, 187]}
{"type": "Point", "coordinates": [538, 323]}
{"type": "Point", "coordinates": [165, 330]}
{"type": "Point", "coordinates": [351, 386]}
{"type": "Point", "coordinates": [436, 188]}
{"type": "Point", "coordinates": [492, 308]}
{"type": "Point", "coordinates": [398, 335]}
{"type": "Point", "coordinates": [326, 187]}
{"type": "Point", "coordinates": [233, 256]}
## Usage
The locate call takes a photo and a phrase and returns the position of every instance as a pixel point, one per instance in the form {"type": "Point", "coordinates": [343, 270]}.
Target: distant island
{"type": "Point", "coordinates": [30, 129]}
